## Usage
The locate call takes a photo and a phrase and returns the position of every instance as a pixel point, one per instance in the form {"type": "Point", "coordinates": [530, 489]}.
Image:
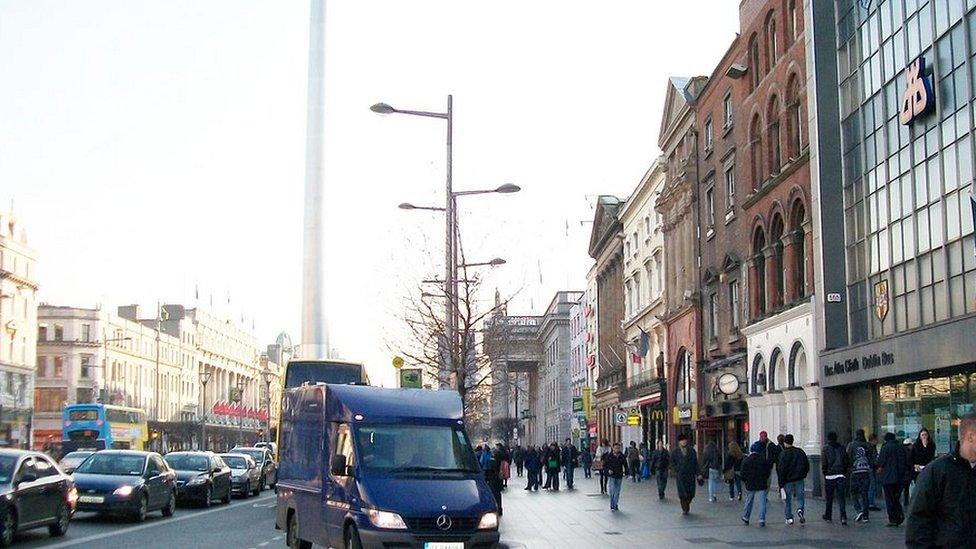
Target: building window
{"type": "Point", "coordinates": [754, 67]}
{"type": "Point", "coordinates": [759, 264]}
{"type": "Point", "coordinates": [630, 298]}
{"type": "Point", "coordinates": [775, 152]}
{"type": "Point", "coordinates": [708, 135]}
{"type": "Point", "coordinates": [755, 152]}
{"type": "Point", "coordinates": [713, 314]}
{"type": "Point", "coordinates": [651, 290]}
{"type": "Point", "coordinates": [58, 332]}
{"type": "Point", "coordinates": [710, 207]}
{"type": "Point", "coordinates": [734, 305]}
{"type": "Point", "coordinates": [659, 273]}
{"type": "Point", "coordinates": [727, 110]}
{"type": "Point", "coordinates": [797, 219]}
{"type": "Point", "coordinates": [58, 367]}
{"type": "Point", "coordinates": [794, 118]}
{"type": "Point", "coordinates": [771, 48]}
{"type": "Point", "coordinates": [792, 20]}
{"type": "Point", "coordinates": [42, 332]}
{"type": "Point", "coordinates": [638, 302]}
{"type": "Point", "coordinates": [41, 366]}
{"type": "Point", "coordinates": [86, 332]}
{"type": "Point", "coordinates": [636, 243]}
{"type": "Point", "coordinates": [730, 186]}
{"type": "Point", "coordinates": [776, 243]}
{"type": "Point", "coordinates": [86, 366]}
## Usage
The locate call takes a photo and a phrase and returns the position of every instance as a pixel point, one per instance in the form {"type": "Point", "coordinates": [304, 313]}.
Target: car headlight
{"type": "Point", "coordinates": [386, 519]}
{"type": "Point", "coordinates": [73, 495]}
{"type": "Point", "coordinates": [195, 481]}
{"type": "Point", "coordinates": [489, 521]}
{"type": "Point", "coordinates": [123, 491]}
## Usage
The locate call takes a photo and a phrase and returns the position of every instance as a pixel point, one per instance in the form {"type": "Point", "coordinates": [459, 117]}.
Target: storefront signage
{"type": "Point", "coordinates": [918, 98]}
{"type": "Point", "coordinates": [620, 418]}
{"type": "Point", "coordinates": [577, 404]}
{"type": "Point", "coordinates": [728, 383]}
{"type": "Point", "coordinates": [867, 362]}
{"type": "Point", "coordinates": [684, 414]}
{"type": "Point", "coordinates": [833, 297]}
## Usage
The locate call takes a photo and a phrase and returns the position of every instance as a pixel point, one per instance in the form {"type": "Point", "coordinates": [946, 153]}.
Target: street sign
{"type": "Point", "coordinates": [633, 420]}
{"type": "Point", "coordinates": [411, 378]}
{"type": "Point", "coordinates": [620, 417]}
{"type": "Point", "coordinates": [398, 362]}
{"type": "Point", "coordinates": [577, 404]}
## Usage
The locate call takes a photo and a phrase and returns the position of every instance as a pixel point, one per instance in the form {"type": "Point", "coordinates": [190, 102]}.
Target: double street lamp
{"type": "Point", "coordinates": [205, 376]}
{"type": "Point", "coordinates": [450, 215]}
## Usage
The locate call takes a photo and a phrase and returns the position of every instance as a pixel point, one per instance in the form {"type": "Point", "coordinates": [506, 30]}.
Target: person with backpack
{"type": "Point", "coordinates": [586, 460]}
{"type": "Point", "coordinates": [733, 470]}
{"type": "Point", "coordinates": [863, 463]}
{"type": "Point", "coordinates": [710, 467]}
{"type": "Point", "coordinates": [756, 479]}
{"type": "Point", "coordinates": [834, 465]}
{"type": "Point", "coordinates": [791, 470]}
{"type": "Point", "coordinates": [660, 461]}
{"type": "Point", "coordinates": [894, 472]}
{"type": "Point", "coordinates": [633, 462]}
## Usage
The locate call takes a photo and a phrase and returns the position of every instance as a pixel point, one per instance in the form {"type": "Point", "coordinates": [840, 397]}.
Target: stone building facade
{"type": "Point", "coordinates": [18, 332]}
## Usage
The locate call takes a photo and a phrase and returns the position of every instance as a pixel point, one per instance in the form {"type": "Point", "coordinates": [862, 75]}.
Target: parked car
{"type": "Point", "coordinates": [72, 460]}
{"type": "Point", "coordinates": [126, 482]}
{"type": "Point", "coordinates": [264, 459]}
{"type": "Point", "coordinates": [270, 446]}
{"type": "Point", "coordinates": [245, 474]}
{"type": "Point", "coordinates": [34, 493]}
{"type": "Point", "coordinates": [201, 477]}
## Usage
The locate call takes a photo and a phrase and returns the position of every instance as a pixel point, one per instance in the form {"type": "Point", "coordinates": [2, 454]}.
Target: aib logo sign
{"type": "Point", "coordinates": [918, 98]}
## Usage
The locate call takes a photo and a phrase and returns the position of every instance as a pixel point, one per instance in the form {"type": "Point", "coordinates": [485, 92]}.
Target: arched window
{"type": "Point", "coordinates": [759, 264]}
{"type": "Point", "coordinates": [758, 375]}
{"type": "Point", "coordinates": [685, 390]}
{"type": "Point", "coordinates": [755, 152]}
{"type": "Point", "coordinates": [771, 47]}
{"type": "Point", "coordinates": [780, 377]}
{"type": "Point", "coordinates": [773, 139]}
{"type": "Point", "coordinates": [792, 20]}
{"type": "Point", "coordinates": [798, 366]}
{"type": "Point", "coordinates": [754, 67]}
{"type": "Point", "coordinates": [794, 120]}
{"type": "Point", "coordinates": [776, 243]}
{"type": "Point", "coordinates": [798, 215]}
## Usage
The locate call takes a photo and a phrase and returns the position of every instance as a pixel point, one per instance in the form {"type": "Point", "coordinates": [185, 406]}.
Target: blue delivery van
{"type": "Point", "coordinates": [371, 467]}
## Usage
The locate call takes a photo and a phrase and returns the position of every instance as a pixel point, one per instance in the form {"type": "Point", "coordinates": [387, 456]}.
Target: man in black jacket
{"type": "Point", "coordinates": [894, 471]}
{"type": "Point", "coordinates": [791, 470]}
{"type": "Point", "coordinates": [569, 456]}
{"type": "Point", "coordinates": [834, 468]}
{"type": "Point", "coordinates": [615, 463]}
{"type": "Point", "coordinates": [755, 475]}
{"type": "Point", "coordinates": [944, 505]}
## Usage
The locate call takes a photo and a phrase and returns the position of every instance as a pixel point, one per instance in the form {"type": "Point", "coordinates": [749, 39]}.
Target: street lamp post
{"type": "Point", "coordinates": [268, 376]}
{"type": "Point", "coordinates": [204, 379]}
{"type": "Point", "coordinates": [241, 385]}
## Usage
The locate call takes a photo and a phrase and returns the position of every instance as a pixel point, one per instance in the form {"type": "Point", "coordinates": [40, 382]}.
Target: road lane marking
{"type": "Point", "coordinates": [161, 522]}
{"type": "Point", "coordinates": [263, 543]}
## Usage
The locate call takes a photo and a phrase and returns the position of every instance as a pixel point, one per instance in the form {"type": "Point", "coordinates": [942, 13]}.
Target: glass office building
{"type": "Point", "coordinates": [900, 333]}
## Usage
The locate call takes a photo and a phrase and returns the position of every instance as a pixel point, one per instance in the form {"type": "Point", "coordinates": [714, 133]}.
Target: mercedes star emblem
{"type": "Point", "coordinates": [444, 522]}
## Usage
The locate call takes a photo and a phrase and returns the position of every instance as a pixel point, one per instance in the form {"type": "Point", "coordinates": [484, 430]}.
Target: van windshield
{"type": "Point", "coordinates": [408, 448]}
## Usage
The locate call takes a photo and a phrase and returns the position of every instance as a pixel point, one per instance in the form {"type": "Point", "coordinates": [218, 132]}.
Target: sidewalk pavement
{"type": "Point", "coordinates": [582, 518]}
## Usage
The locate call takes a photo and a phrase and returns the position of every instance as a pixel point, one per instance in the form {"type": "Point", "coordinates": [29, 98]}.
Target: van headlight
{"type": "Point", "coordinates": [489, 521]}
{"type": "Point", "coordinates": [386, 519]}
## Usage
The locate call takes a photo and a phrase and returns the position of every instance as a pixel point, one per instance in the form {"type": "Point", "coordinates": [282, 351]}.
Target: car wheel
{"type": "Point", "coordinates": [257, 491]}
{"type": "Point", "coordinates": [8, 529]}
{"type": "Point", "coordinates": [140, 514]}
{"type": "Point", "coordinates": [170, 506]}
{"type": "Point", "coordinates": [352, 538]}
{"type": "Point", "coordinates": [226, 498]}
{"type": "Point", "coordinates": [292, 534]}
{"type": "Point", "coordinates": [208, 497]}
{"type": "Point", "coordinates": [60, 527]}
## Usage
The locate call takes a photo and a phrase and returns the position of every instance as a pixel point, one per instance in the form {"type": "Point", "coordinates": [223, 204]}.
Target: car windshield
{"type": "Point", "coordinates": [74, 458]}
{"type": "Point", "coordinates": [413, 448]}
{"type": "Point", "coordinates": [256, 455]}
{"type": "Point", "coordinates": [235, 462]}
{"type": "Point", "coordinates": [113, 464]}
{"type": "Point", "coordinates": [7, 464]}
{"type": "Point", "coordinates": [187, 462]}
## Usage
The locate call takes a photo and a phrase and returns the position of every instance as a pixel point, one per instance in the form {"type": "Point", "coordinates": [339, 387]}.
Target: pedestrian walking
{"type": "Point", "coordinates": [906, 487]}
{"type": "Point", "coordinates": [533, 467]}
{"type": "Point", "coordinates": [944, 503]}
{"type": "Point", "coordinates": [569, 457]}
{"type": "Point", "coordinates": [732, 470]}
{"type": "Point", "coordinates": [633, 462]}
{"type": "Point", "coordinates": [614, 465]}
{"type": "Point", "coordinates": [834, 468]}
{"type": "Point", "coordinates": [505, 459]}
{"type": "Point", "coordinates": [755, 476]}
{"type": "Point", "coordinates": [684, 461]}
{"type": "Point", "coordinates": [660, 462]}
{"type": "Point", "coordinates": [894, 471]}
{"type": "Point", "coordinates": [493, 475]}
{"type": "Point", "coordinates": [518, 456]}
{"type": "Point", "coordinates": [711, 467]}
{"type": "Point", "coordinates": [875, 475]}
{"type": "Point", "coordinates": [864, 461]}
{"type": "Point", "coordinates": [552, 467]}
{"type": "Point", "coordinates": [923, 452]}
{"type": "Point", "coordinates": [586, 460]}
{"type": "Point", "coordinates": [602, 451]}
{"type": "Point", "coordinates": [792, 470]}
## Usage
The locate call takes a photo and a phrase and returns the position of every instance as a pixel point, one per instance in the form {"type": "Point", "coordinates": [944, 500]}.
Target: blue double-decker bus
{"type": "Point", "coordinates": [101, 426]}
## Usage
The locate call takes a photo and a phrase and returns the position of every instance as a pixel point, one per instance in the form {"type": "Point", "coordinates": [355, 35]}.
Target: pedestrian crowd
{"type": "Point", "coordinates": [935, 495]}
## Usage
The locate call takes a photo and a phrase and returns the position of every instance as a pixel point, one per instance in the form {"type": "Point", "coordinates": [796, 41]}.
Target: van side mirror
{"type": "Point", "coordinates": [339, 467]}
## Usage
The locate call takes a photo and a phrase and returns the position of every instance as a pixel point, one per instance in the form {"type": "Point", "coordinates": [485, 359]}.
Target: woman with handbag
{"type": "Point", "coordinates": [552, 467]}
{"type": "Point", "coordinates": [732, 471]}
{"type": "Point", "coordinates": [602, 451]}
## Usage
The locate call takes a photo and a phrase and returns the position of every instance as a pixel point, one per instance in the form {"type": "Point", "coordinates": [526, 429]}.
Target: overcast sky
{"type": "Point", "coordinates": [150, 148]}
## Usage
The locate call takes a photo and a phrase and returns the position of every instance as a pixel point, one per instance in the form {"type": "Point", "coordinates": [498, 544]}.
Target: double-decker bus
{"type": "Point", "coordinates": [100, 426]}
{"type": "Point", "coordinates": [312, 372]}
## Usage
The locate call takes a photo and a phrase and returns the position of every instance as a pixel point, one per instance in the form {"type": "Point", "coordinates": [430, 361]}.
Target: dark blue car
{"type": "Point", "coordinates": [126, 482]}
{"type": "Point", "coordinates": [370, 467]}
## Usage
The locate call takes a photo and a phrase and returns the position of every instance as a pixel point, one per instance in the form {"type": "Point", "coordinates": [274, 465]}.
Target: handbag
{"type": "Point", "coordinates": [597, 464]}
{"type": "Point", "coordinates": [553, 463]}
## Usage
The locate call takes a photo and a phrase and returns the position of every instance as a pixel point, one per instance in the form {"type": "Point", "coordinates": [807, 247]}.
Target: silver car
{"type": "Point", "coordinates": [245, 478]}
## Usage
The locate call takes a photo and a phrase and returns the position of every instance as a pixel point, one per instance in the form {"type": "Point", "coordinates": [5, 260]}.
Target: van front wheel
{"type": "Point", "coordinates": [352, 538]}
{"type": "Point", "coordinates": [293, 541]}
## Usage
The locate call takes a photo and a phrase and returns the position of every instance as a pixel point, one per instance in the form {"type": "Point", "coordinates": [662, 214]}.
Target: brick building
{"type": "Point", "coordinates": [676, 204]}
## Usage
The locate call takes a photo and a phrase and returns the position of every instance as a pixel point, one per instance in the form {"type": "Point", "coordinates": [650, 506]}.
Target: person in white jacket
{"type": "Point", "coordinates": [602, 451]}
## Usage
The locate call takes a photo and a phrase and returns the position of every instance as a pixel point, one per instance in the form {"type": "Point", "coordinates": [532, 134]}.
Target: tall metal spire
{"type": "Point", "coordinates": [315, 335]}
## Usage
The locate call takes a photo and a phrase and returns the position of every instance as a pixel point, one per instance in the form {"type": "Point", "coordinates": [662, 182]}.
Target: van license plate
{"type": "Point", "coordinates": [444, 545]}
{"type": "Point", "coordinates": [91, 499]}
